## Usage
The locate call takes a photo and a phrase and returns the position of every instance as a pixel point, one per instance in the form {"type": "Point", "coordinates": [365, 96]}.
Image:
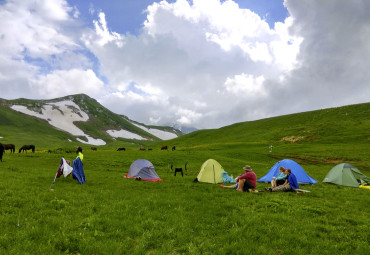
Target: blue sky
{"type": "Point", "coordinates": [127, 16]}
{"type": "Point", "coordinates": [199, 63]}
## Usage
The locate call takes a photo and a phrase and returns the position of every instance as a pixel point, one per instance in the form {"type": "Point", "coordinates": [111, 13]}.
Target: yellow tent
{"type": "Point", "coordinates": [211, 172]}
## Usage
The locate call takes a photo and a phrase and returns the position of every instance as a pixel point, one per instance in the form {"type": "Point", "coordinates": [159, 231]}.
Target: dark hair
{"type": "Point", "coordinates": [79, 149]}
{"type": "Point", "coordinates": [288, 169]}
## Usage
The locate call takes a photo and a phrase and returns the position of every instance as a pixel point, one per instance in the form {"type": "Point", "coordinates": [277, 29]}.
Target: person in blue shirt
{"type": "Point", "coordinates": [292, 180]}
{"type": "Point", "coordinates": [291, 183]}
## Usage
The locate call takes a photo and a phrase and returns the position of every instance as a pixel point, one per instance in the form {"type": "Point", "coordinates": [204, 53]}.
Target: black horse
{"type": "Point", "coordinates": [10, 147]}
{"type": "Point", "coordinates": [121, 149]}
{"type": "Point", "coordinates": [2, 149]}
{"type": "Point", "coordinates": [26, 148]}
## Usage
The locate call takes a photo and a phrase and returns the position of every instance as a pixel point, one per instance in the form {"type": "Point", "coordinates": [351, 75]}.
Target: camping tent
{"type": "Point", "coordinates": [297, 170]}
{"type": "Point", "coordinates": [346, 175]}
{"type": "Point", "coordinates": [211, 172]}
{"type": "Point", "coordinates": [144, 169]}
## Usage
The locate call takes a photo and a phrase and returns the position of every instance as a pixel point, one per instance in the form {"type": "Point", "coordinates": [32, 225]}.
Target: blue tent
{"type": "Point", "coordinates": [297, 170]}
{"type": "Point", "coordinates": [78, 171]}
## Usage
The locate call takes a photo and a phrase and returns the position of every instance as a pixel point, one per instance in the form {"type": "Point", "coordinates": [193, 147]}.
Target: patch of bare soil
{"type": "Point", "coordinates": [292, 139]}
{"type": "Point", "coordinates": [311, 160]}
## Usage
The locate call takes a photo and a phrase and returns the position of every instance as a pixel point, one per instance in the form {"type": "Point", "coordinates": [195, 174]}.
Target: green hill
{"type": "Point", "coordinates": [110, 214]}
{"type": "Point", "coordinates": [19, 128]}
{"type": "Point", "coordinates": [327, 135]}
{"type": "Point", "coordinates": [348, 124]}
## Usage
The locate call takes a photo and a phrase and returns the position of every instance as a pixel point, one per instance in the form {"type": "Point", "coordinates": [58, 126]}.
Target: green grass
{"type": "Point", "coordinates": [113, 215]}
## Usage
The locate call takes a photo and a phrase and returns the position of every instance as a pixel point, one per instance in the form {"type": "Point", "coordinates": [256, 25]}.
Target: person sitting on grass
{"type": "Point", "coordinates": [290, 183]}
{"type": "Point", "coordinates": [280, 179]}
{"type": "Point", "coordinates": [245, 182]}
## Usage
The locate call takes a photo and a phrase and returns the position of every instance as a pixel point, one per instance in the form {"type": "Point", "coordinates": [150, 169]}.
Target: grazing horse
{"type": "Point", "coordinates": [164, 147]}
{"type": "Point", "coordinates": [94, 148]}
{"type": "Point", "coordinates": [26, 148]}
{"type": "Point", "coordinates": [10, 147]}
{"type": "Point", "coordinates": [142, 149]}
{"type": "Point", "coordinates": [2, 149]}
{"type": "Point", "coordinates": [121, 149]}
{"type": "Point", "coordinates": [173, 148]}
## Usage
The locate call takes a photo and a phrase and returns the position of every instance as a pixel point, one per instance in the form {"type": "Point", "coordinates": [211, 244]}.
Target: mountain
{"type": "Point", "coordinates": [73, 118]}
{"type": "Point", "coordinates": [184, 129]}
{"type": "Point", "coordinates": [79, 118]}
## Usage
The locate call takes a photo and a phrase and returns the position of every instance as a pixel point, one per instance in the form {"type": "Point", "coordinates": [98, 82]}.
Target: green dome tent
{"type": "Point", "coordinates": [211, 172]}
{"type": "Point", "coordinates": [346, 175]}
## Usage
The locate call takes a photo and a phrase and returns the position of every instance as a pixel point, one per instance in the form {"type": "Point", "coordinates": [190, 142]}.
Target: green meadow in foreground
{"type": "Point", "coordinates": [110, 214]}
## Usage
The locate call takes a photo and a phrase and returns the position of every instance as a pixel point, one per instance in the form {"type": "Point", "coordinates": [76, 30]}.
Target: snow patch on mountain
{"type": "Point", "coordinates": [164, 135]}
{"type": "Point", "coordinates": [124, 134]}
{"type": "Point", "coordinates": [62, 115]}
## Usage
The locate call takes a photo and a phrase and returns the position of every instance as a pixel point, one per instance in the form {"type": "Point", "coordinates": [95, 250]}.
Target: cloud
{"type": "Point", "coordinates": [60, 83]}
{"type": "Point", "coordinates": [202, 63]}
{"type": "Point", "coordinates": [333, 55]}
{"type": "Point", "coordinates": [246, 84]}
{"type": "Point", "coordinates": [38, 44]}
{"type": "Point", "coordinates": [198, 55]}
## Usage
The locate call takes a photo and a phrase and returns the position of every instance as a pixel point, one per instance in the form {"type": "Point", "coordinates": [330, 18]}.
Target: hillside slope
{"type": "Point", "coordinates": [347, 124]}
{"type": "Point", "coordinates": [327, 136]}
{"type": "Point", "coordinates": [78, 117]}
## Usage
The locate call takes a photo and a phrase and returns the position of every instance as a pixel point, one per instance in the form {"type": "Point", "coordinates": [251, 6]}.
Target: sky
{"type": "Point", "coordinates": [188, 63]}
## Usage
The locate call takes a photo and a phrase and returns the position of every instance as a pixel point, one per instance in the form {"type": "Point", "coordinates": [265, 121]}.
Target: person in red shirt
{"type": "Point", "coordinates": [246, 181]}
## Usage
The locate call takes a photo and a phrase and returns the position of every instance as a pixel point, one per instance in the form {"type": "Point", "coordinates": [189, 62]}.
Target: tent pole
{"type": "Point", "coordinates": [214, 174]}
{"type": "Point", "coordinates": [54, 179]}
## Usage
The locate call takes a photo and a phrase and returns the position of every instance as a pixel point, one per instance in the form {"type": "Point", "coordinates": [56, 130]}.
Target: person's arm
{"type": "Point", "coordinates": [281, 177]}
{"type": "Point", "coordinates": [242, 176]}
{"type": "Point", "coordinates": [286, 182]}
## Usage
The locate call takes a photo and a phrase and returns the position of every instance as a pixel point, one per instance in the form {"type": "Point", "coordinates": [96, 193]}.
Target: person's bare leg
{"type": "Point", "coordinates": [273, 183]}
{"type": "Point", "coordinates": [241, 184]}
{"type": "Point", "coordinates": [229, 187]}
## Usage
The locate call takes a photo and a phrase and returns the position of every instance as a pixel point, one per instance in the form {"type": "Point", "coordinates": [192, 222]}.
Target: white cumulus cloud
{"type": "Point", "coordinates": [202, 63]}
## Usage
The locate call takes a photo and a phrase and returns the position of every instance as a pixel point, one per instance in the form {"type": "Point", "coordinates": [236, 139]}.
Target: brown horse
{"type": "Point", "coordinates": [26, 148]}
{"type": "Point", "coordinates": [94, 148]}
{"type": "Point", "coordinates": [2, 149]}
{"type": "Point", "coordinates": [10, 147]}
{"type": "Point", "coordinates": [164, 147]}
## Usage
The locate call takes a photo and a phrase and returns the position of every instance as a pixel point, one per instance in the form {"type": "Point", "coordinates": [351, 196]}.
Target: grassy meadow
{"type": "Point", "coordinates": [110, 214]}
